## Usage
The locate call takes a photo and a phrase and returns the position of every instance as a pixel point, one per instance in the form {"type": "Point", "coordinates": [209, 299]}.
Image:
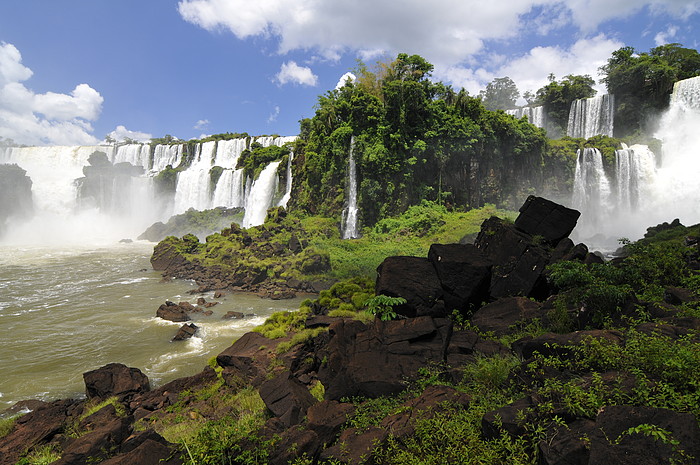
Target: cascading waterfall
{"type": "Point", "coordinates": [288, 189]}
{"type": "Point", "coordinates": [349, 230]}
{"type": "Point", "coordinates": [535, 115]}
{"type": "Point", "coordinates": [591, 117]}
{"type": "Point", "coordinates": [647, 191]}
{"type": "Point", "coordinates": [591, 184]}
{"type": "Point", "coordinates": [124, 202]}
{"type": "Point", "coordinates": [260, 196]}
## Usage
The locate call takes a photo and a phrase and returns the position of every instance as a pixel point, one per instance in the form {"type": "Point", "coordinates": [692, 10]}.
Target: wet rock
{"type": "Point", "coordinates": [231, 315]}
{"type": "Point", "coordinates": [172, 312]}
{"type": "Point", "coordinates": [286, 398]}
{"type": "Point", "coordinates": [186, 331]}
{"type": "Point", "coordinates": [464, 273]}
{"type": "Point", "coordinates": [502, 315]}
{"type": "Point", "coordinates": [551, 221]}
{"type": "Point", "coordinates": [219, 295]}
{"type": "Point", "coordinates": [115, 379]}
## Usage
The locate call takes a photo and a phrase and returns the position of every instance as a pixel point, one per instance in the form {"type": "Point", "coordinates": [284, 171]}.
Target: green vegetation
{"type": "Point", "coordinates": [642, 82]}
{"type": "Point", "coordinates": [414, 140]}
{"type": "Point", "coordinates": [253, 160]}
{"type": "Point", "coordinates": [6, 425]}
{"type": "Point", "coordinates": [91, 408]}
{"type": "Point", "coordinates": [382, 306]}
{"type": "Point", "coordinates": [41, 455]}
{"type": "Point", "coordinates": [557, 97]}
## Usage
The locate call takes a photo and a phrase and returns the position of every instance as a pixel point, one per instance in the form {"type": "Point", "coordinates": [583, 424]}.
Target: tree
{"type": "Point", "coordinates": [642, 82]}
{"type": "Point", "coordinates": [500, 94]}
{"type": "Point", "coordinates": [557, 97]}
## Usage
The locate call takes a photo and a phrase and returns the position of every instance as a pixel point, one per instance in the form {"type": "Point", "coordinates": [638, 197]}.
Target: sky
{"type": "Point", "coordinates": [74, 71]}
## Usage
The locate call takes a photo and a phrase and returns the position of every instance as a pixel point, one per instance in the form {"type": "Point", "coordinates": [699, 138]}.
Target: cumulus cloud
{"type": "Point", "coordinates": [345, 78]}
{"type": "Point", "coordinates": [121, 134]}
{"type": "Point", "coordinates": [50, 118]}
{"type": "Point", "coordinates": [291, 72]}
{"type": "Point", "coordinates": [446, 32]}
{"type": "Point", "coordinates": [664, 37]}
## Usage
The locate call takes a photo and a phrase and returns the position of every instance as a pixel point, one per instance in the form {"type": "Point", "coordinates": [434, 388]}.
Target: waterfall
{"type": "Point", "coordinates": [136, 154]}
{"type": "Point", "coordinates": [260, 196]}
{"type": "Point", "coordinates": [591, 117]}
{"type": "Point", "coordinates": [535, 115]}
{"type": "Point", "coordinates": [288, 188]}
{"type": "Point", "coordinates": [591, 184]}
{"type": "Point", "coordinates": [193, 184]}
{"type": "Point", "coordinates": [229, 190]}
{"type": "Point", "coordinates": [635, 168]}
{"type": "Point", "coordinates": [350, 212]}
{"type": "Point", "coordinates": [165, 155]}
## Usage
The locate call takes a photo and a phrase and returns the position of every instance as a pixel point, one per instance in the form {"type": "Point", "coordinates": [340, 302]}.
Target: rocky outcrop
{"type": "Point", "coordinates": [115, 379]}
{"type": "Point", "coordinates": [16, 194]}
{"type": "Point", "coordinates": [199, 223]}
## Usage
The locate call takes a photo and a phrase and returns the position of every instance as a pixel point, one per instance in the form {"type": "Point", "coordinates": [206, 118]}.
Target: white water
{"type": "Point", "coordinates": [535, 115]}
{"type": "Point", "coordinates": [650, 192]}
{"type": "Point", "coordinates": [288, 189]}
{"type": "Point", "coordinates": [260, 196]}
{"type": "Point", "coordinates": [349, 229]}
{"type": "Point", "coordinates": [591, 117]}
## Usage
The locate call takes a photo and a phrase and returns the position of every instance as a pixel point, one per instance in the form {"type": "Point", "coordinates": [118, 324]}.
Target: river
{"type": "Point", "coordinates": [65, 310]}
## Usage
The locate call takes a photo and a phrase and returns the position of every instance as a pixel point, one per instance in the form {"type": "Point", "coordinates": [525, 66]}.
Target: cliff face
{"type": "Point", "coordinates": [15, 194]}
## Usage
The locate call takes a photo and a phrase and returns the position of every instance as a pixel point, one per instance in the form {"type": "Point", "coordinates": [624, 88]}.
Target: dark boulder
{"type": "Point", "coordinates": [518, 262]}
{"type": "Point", "coordinates": [294, 443]}
{"type": "Point", "coordinates": [186, 331]}
{"type": "Point", "coordinates": [245, 361]}
{"type": "Point", "coordinates": [639, 435]}
{"type": "Point", "coordinates": [414, 279]}
{"type": "Point", "coordinates": [502, 315]}
{"type": "Point", "coordinates": [511, 418]}
{"type": "Point", "coordinates": [567, 444]}
{"type": "Point", "coordinates": [327, 418]}
{"type": "Point", "coordinates": [172, 312]}
{"type": "Point", "coordinates": [375, 360]}
{"type": "Point", "coordinates": [542, 217]}
{"type": "Point", "coordinates": [286, 398]}
{"type": "Point", "coordinates": [98, 444]}
{"type": "Point", "coordinates": [558, 344]}
{"type": "Point", "coordinates": [464, 273]}
{"type": "Point", "coordinates": [356, 447]}
{"type": "Point", "coordinates": [115, 379]}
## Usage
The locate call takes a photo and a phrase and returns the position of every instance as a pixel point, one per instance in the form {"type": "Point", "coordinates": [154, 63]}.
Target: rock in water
{"type": "Point", "coordinates": [186, 331]}
{"type": "Point", "coordinates": [172, 312]}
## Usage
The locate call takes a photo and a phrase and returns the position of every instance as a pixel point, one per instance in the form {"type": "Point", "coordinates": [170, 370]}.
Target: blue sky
{"type": "Point", "coordinates": [73, 71]}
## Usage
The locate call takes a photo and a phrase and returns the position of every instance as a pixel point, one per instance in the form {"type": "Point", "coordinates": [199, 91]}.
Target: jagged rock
{"type": "Point", "coordinates": [286, 398]}
{"type": "Point", "coordinates": [326, 419]}
{"type": "Point", "coordinates": [115, 379]}
{"type": "Point", "coordinates": [542, 217]}
{"type": "Point", "coordinates": [219, 295]}
{"type": "Point", "coordinates": [519, 263]}
{"type": "Point", "coordinates": [231, 315]}
{"type": "Point", "coordinates": [96, 445]}
{"type": "Point", "coordinates": [510, 418]}
{"type": "Point", "coordinates": [317, 321]}
{"type": "Point", "coordinates": [567, 445]}
{"type": "Point", "coordinates": [555, 344]}
{"type": "Point", "coordinates": [374, 360]}
{"type": "Point", "coordinates": [464, 273]}
{"type": "Point", "coordinates": [500, 316]}
{"type": "Point", "coordinates": [355, 447]}
{"type": "Point", "coordinates": [678, 296]}
{"type": "Point", "coordinates": [186, 331]}
{"type": "Point", "coordinates": [148, 452]}
{"type": "Point", "coordinates": [172, 312]}
{"type": "Point", "coordinates": [201, 301]}
{"type": "Point", "coordinates": [36, 427]}
{"type": "Point", "coordinates": [614, 442]}
{"type": "Point", "coordinates": [245, 361]}
{"type": "Point", "coordinates": [415, 280]}
{"type": "Point", "coordinates": [293, 443]}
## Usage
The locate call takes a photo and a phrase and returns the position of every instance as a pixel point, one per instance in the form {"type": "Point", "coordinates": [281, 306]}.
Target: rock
{"type": "Point", "coordinates": [231, 315]}
{"type": "Point", "coordinates": [510, 418]}
{"type": "Point", "coordinates": [464, 273]}
{"type": "Point", "coordinates": [148, 452]}
{"type": "Point", "coordinates": [355, 447]}
{"type": "Point", "coordinates": [502, 315]}
{"type": "Point", "coordinates": [219, 295]}
{"type": "Point", "coordinates": [415, 280]}
{"type": "Point", "coordinates": [542, 217]}
{"type": "Point", "coordinates": [678, 296]}
{"type": "Point", "coordinates": [374, 360]}
{"type": "Point", "coordinates": [294, 443]}
{"type": "Point", "coordinates": [115, 379]}
{"type": "Point", "coordinates": [245, 361]}
{"type": "Point", "coordinates": [172, 312]}
{"type": "Point", "coordinates": [566, 445]}
{"type": "Point", "coordinates": [95, 446]}
{"type": "Point", "coordinates": [286, 398]}
{"type": "Point", "coordinates": [465, 344]}
{"type": "Point", "coordinates": [326, 419]}
{"type": "Point", "coordinates": [556, 344]}
{"type": "Point", "coordinates": [616, 441]}
{"type": "Point", "coordinates": [519, 264]}
{"type": "Point", "coordinates": [201, 301]}
{"type": "Point", "coordinates": [188, 307]}
{"type": "Point", "coordinates": [318, 321]}
{"type": "Point", "coordinates": [210, 304]}
{"type": "Point", "coordinates": [186, 331]}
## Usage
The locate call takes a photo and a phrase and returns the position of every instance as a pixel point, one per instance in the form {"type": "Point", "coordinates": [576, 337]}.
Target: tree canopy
{"type": "Point", "coordinates": [500, 94]}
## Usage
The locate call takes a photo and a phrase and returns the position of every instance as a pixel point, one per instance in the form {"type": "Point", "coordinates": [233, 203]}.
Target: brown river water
{"type": "Point", "coordinates": [67, 310]}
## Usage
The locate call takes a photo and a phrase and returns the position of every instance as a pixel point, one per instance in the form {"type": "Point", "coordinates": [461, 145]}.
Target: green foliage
{"type": "Point", "coordinates": [500, 94]}
{"type": "Point", "coordinates": [382, 306]}
{"type": "Point", "coordinates": [6, 425]}
{"type": "Point", "coordinates": [642, 82]}
{"type": "Point", "coordinates": [557, 97]}
{"type": "Point", "coordinates": [280, 323]}
{"type": "Point", "coordinates": [301, 337]}
{"type": "Point", "coordinates": [41, 455]}
{"type": "Point", "coordinates": [92, 408]}
{"type": "Point", "coordinates": [253, 160]}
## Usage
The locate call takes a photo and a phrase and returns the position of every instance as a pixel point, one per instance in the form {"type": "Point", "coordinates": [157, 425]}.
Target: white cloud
{"type": "Point", "coordinates": [273, 116]}
{"type": "Point", "coordinates": [347, 77]}
{"type": "Point", "coordinates": [121, 133]}
{"type": "Point", "coordinates": [201, 124]}
{"type": "Point", "coordinates": [663, 37]}
{"type": "Point", "coordinates": [291, 72]}
{"type": "Point", "coordinates": [50, 118]}
{"type": "Point", "coordinates": [446, 32]}
{"type": "Point", "coordinates": [530, 71]}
